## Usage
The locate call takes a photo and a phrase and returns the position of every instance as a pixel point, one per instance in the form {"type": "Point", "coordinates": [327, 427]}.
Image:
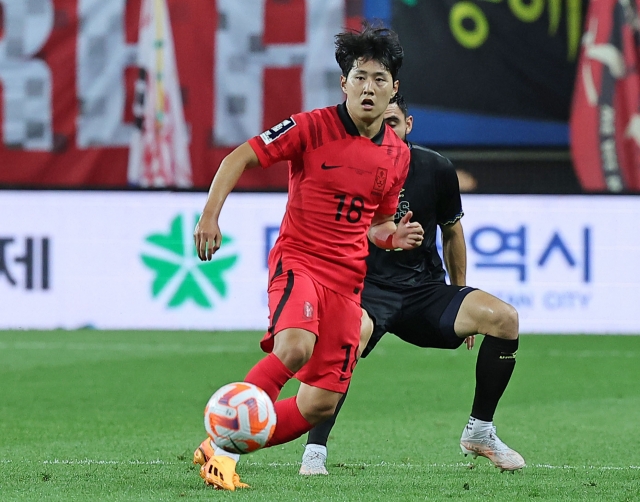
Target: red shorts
{"type": "Point", "coordinates": [297, 301]}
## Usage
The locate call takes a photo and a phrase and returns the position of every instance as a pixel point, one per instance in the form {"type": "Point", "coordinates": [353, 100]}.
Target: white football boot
{"type": "Point", "coordinates": [486, 443]}
{"type": "Point", "coordinates": [314, 460]}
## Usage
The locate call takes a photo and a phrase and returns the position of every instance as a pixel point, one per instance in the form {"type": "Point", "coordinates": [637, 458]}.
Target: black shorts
{"type": "Point", "coordinates": [421, 315]}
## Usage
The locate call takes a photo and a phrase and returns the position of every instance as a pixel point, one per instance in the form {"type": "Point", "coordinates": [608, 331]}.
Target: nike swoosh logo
{"type": "Point", "coordinates": [325, 166]}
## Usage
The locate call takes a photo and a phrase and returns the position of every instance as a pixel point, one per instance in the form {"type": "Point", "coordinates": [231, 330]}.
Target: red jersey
{"type": "Point", "coordinates": [337, 181]}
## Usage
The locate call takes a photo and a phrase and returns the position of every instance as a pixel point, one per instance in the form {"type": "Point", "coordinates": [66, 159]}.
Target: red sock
{"type": "Point", "coordinates": [291, 424]}
{"type": "Point", "coordinates": [270, 374]}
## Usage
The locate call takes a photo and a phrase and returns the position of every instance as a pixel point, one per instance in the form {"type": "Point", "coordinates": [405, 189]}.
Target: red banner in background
{"type": "Point", "coordinates": [605, 119]}
{"type": "Point", "coordinates": [67, 87]}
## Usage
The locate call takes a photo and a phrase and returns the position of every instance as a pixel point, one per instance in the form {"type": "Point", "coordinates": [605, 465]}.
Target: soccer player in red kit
{"type": "Point", "coordinates": [346, 169]}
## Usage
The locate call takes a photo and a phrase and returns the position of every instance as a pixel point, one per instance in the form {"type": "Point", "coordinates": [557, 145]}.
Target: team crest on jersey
{"type": "Point", "coordinates": [277, 130]}
{"type": "Point", "coordinates": [307, 310]}
{"type": "Point", "coordinates": [380, 182]}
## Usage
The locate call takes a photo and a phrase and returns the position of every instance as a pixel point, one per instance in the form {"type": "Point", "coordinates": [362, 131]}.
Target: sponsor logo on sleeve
{"type": "Point", "coordinates": [278, 130]}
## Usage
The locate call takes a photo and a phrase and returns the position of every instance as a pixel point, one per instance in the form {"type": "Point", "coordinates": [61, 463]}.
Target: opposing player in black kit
{"type": "Point", "coordinates": [405, 294]}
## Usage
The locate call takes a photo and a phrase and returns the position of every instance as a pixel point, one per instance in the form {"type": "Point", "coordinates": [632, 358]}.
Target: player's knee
{"type": "Point", "coordinates": [294, 347]}
{"type": "Point", "coordinates": [294, 356]}
{"type": "Point", "coordinates": [505, 322]}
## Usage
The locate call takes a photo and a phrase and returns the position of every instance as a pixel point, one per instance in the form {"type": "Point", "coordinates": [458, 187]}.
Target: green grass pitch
{"type": "Point", "coordinates": [97, 415]}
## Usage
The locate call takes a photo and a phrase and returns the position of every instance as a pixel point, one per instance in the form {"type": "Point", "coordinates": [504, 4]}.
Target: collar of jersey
{"type": "Point", "coordinates": [351, 128]}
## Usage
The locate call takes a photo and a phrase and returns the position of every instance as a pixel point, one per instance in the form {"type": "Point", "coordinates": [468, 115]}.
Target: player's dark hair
{"type": "Point", "coordinates": [375, 43]}
{"type": "Point", "coordinates": [398, 99]}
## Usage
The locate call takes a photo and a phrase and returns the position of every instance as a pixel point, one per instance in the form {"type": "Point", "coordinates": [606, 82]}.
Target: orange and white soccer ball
{"type": "Point", "coordinates": [240, 417]}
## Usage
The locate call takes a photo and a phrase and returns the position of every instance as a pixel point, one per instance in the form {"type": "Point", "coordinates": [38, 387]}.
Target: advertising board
{"type": "Point", "coordinates": [126, 260]}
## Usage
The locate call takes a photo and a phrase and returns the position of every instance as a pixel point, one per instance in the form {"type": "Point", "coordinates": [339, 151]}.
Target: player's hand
{"type": "Point", "coordinates": [409, 234]}
{"type": "Point", "coordinates": [470, 341]}
{"type": "Point", "coordinates": [207, 237]}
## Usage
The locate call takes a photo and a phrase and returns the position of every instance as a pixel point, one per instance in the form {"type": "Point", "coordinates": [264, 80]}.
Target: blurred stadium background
{"type": "Point", "coordinates": [115, 115]}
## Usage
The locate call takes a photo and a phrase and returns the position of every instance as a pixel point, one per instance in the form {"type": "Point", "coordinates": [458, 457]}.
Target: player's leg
{"type": "Point", "coordinates": [323, 363]}
{"type": "Point", "coordinates": [325, 375]}
{"type": "Point", "coordinates": [290, 341]}
{"type": "Point", "coordinates": [442, 316]}
{"type": "Point", "coordinates": [384, 307]}
{"type": "Point", "coordinates": [332, 373]}
{"type": "Point", "coordinates": [483, 313]}
{"type": "Point", "coordinates": [292, 348]}
{"type": "Point", "coordinates": [291, 337]}
{"type": "Point", "coordinates": [316, 404]}
{"type": "Point", "coordinates": [320, 433]}
{"type": "Point", "coordinates": [314, 458]}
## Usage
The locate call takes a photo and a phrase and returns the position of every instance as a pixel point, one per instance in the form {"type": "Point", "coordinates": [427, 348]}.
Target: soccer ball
{"type": "Point", "coordinates": [240, 418]}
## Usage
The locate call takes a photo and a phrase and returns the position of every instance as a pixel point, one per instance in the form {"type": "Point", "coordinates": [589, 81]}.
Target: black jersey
{"type": "Point", "coordinates": [432, 192]}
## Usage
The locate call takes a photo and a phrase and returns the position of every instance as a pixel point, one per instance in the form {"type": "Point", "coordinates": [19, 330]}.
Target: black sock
{"type": "Point", "coordinates": [320, 433]}
{"type": "Point", "coordinates": [496, 360]}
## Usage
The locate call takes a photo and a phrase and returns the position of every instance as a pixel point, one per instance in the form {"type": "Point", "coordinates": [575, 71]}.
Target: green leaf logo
{"type": "Point", "coordinates": [179, 274]}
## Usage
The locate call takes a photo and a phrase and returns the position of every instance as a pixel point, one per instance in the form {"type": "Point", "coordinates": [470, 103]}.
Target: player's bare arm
{"type": "Point", "coordinates": [385, 234]}
{"type": "Point", "coordinates": [207, 235]}
{"type": "Point", "coordinates": [454, 251]}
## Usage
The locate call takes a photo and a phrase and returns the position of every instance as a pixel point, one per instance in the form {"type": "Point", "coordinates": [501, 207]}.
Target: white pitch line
{"type": "Point", "coordinates": [586, 467]}
{"type": "Point", "coordinates": [457, 464]}
{"type": "Point", "coordinates": [88, 461]}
